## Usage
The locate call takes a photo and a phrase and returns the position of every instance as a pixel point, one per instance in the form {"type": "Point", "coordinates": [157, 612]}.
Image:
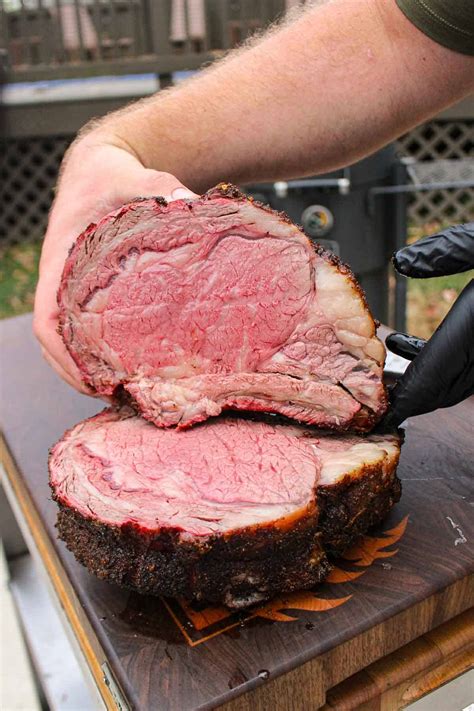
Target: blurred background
{"type": "Point", "coordinates": [66, 61]}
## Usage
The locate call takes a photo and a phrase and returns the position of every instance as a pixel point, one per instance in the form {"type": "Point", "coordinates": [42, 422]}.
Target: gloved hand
{"type": "Point", "coordinates": [441, 373]}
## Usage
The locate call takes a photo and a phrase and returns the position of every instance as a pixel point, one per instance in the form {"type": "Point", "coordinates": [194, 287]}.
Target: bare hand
{"type": "Point", "coordinates": [97, 177]}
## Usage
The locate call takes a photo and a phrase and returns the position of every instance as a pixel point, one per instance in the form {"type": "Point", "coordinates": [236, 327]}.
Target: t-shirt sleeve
{"type": "Point", "coordinates": [448, 22]}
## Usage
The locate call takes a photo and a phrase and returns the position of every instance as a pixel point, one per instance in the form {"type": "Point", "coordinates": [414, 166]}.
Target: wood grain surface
{"type": "Point", "coordinates": [407, 674]}
{"type": "Point", "coordinates": [262, 662]}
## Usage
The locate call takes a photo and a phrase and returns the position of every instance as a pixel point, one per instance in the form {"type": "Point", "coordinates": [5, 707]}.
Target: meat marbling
{"type": "Point", "coordinates": [194, 307]}
{"type": "Point", "coordinates": [234, 510]}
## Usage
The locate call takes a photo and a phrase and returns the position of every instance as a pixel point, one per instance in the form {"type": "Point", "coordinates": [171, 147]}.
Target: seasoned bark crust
{"type": "Point", "coordinates": [238, 571]}
{"type": "Point", "coordinates": [233, 511]}
{"type": "Point", "coordinates": [194, 307]}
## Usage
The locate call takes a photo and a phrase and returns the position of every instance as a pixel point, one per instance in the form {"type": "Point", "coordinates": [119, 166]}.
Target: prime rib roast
{"type": "Point", "coordinates": [197, 306]}
{"type": "Point", "coordinates": [179, 311]}
{"type": "Point", "coordinates": [232, 511]}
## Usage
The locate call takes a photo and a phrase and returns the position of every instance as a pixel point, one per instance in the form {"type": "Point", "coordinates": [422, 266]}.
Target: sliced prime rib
{"type": "Point", "coordinates": [194, 307]}
{"type": "Point", "coordinates": [231, 511]}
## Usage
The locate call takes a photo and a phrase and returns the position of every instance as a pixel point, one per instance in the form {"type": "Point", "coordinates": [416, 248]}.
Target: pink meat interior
{"type": "Point", "coordinates": [221, 476]}
{"type": "Point", "coordinates": [169, 314]}
{"type": "Point", "coordinates": [230, 475]}
{"type": "Point", "coordinates": [196, 307]}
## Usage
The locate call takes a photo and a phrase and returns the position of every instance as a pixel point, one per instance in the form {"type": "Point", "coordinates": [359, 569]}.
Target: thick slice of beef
{"type": "Point", "coordinates": [234, 510]}
{"type": "Point", "coordinates": [194, 307]}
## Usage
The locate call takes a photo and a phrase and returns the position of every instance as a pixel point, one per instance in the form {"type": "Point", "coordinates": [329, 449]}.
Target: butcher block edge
{"type": "Point", "coordinates": [311, 680]}
{"type": "Point", "coordinates": [410, 672]}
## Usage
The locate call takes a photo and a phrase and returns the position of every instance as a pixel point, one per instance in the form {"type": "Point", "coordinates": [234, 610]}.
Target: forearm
{"type": "Point", "coordinates": [338, 83]}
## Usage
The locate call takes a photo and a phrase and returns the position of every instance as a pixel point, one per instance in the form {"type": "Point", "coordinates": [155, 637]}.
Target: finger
{"type": "Point", "coordinates": [154, 183]}
{"type": "Point", "coordinates": [404, 345]}
{"type": "Point", "coordinates": [80, 387]}
{"type": "Point", "coordinates": [443, 373]}
{"type": "Point", "coordinates": [183, 194]}
{"type": "Point", "coordinates": [45, 328]}
{"type": "Point", "coordinates": [61, 372]}
{"type": "Point", "coordinates": [448, 252]}
{"type": "Point", "coordinates": [58, 357]}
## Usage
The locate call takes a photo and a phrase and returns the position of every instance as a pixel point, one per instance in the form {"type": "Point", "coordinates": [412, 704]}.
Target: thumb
{"type": "Point", "coordinates": [155, 183]}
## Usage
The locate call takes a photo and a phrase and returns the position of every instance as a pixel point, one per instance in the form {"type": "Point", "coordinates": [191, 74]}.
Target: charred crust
{"type": "Point", "coordinates": [124, 399]}
{"type": "Point", "coordinates": [247, 566]}
{"type": "Point", "coordinates": [365, 419]}
{"type": "Point", "coordinates": [346, 270]}
{"type": "Point", "coordinates": [158, 199]}
{"type": "Point", "coordinates": [351, 507]}
{"type": "Point", "coordinates": [241, 567]}
{"type": "Point", "coordinates": [227, 190]}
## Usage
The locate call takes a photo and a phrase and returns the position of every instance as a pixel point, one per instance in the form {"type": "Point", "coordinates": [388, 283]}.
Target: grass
{"type": "Point", "coordinates": [428, 300]}
{"type": "Point", "coordinates": [18, 277]}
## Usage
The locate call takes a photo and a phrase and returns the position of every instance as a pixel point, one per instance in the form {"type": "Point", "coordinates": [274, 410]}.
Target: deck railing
{"type": "Point", "coordinates": [49, 39]}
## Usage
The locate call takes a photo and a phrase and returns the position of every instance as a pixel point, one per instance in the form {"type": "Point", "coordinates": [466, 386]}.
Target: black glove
{"type": "Point", "coordinates": [442, 372]}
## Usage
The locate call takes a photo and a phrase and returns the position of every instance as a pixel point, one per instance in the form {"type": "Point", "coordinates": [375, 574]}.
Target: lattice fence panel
{"type": "Point", "coordinates": [29, 167]}
{"type": "Point", "coordinates": [28, 173]}
{"type": "Point", "coordinates": [450, 205]}
{"type": "Point", "coordinates": [447, 142]}
{"type": "Point", "coordinates": [439, 139]}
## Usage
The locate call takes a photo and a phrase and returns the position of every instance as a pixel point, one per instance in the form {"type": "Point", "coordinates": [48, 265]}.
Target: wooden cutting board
{"type": "Point", "coordinates": [406, 578]}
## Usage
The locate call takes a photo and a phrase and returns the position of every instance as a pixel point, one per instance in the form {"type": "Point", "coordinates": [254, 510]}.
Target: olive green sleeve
{"type": "Point", "coordinates": [448, 22]}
